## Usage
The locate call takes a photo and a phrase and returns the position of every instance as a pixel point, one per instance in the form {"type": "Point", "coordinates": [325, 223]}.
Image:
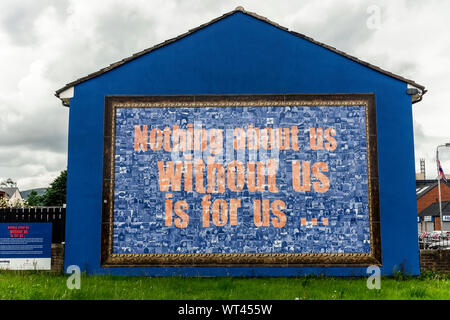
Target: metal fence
{"type": "Point", "coordinates": [435, 240]}
{"type": "Point", "coordinates": [55, 215]}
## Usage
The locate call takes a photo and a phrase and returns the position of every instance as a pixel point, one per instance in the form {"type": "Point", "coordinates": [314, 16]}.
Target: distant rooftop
{"type": "Point", "coordinates": [433, 209]}
{"type": "Point", "coordinates": [423, 186]}
{"type": "Point", "coordinates": [9, 191]}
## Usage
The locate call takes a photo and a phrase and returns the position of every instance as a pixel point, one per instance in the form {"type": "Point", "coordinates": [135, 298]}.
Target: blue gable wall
{"type": "Point", "coordinates": [242, 55]}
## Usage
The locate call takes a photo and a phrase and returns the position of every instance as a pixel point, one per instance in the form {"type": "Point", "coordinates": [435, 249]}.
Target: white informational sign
{"type": "Point", "coordinates": [428, 218]}
{"type": "Point", "coordinates": [25, 246]}
{"type": "Point", "coordinates": [25, 264]}
{"type": "Point", "coordinates": [446, 218]}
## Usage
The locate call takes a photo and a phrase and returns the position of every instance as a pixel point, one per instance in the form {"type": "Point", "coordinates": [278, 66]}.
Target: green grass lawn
{"type": "Point", "coordinates": [40, 285]}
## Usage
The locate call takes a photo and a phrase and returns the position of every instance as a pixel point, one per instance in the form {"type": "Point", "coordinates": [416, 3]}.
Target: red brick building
{"type": "Point", "coordinates": [427, 193]}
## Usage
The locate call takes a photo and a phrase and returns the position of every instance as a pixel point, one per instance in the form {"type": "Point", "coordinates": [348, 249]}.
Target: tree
{"type": "Point", "coordinates": [55, 195]}
{"type": "Point", "coordinates": [15, 204]}
{"type": "Point", "coordinates": [33, 199]}
{"type": "Point", "coordinates": [3, 203]}
{"type": "Point", "coordinates": [8, 183]}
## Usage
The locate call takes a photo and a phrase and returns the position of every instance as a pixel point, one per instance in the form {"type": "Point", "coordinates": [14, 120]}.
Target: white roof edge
{"type": "Point", "coordinates": [66, 95]}
{"type": "Point", "coordinates": [416, 97]}
{"type": "Point", "coordinates": [410, 86]}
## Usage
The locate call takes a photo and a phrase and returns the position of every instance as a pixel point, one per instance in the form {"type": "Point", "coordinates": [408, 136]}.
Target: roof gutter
{"type": "Point", "coordinates": [65, 96]}
{"type": "Point", "coordinates": [415, 93]}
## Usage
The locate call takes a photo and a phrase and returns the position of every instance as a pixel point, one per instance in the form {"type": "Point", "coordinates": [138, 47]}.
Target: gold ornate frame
{"type": "Point", "coordinates": [110, 259]}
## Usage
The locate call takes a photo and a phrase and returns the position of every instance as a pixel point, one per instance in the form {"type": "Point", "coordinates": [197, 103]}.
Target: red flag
{"type": "Point", "coordinates": [441, 172]}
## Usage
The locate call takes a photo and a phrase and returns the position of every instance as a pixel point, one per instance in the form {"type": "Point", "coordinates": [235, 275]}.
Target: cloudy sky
{"type": "Point", "coordinates": [46, 43]}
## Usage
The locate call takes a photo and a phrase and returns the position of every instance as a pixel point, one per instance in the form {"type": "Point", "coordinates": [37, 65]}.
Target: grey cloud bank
{"type": "Point", "coordinates": [46, 44]}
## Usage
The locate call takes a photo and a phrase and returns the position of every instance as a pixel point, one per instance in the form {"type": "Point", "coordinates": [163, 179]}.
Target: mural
{"type": "Point", "coordinates": [240, 179]}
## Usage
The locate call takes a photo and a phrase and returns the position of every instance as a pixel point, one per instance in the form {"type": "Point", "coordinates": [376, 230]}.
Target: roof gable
{"type": "Point", "coordinates": [433, 209]}
{"type": "Point", "coordinates": [10, 191]}
{"type": "Point", "coordinates": [423, 187]}
{"type": "Point", "coordinates": [61, 93]}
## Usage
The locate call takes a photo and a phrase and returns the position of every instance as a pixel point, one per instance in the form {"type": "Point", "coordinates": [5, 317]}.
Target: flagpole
{"type": "Point", "coordinates": [439, 168]}
{"type": "Point", "coordinates": [439, 188]}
